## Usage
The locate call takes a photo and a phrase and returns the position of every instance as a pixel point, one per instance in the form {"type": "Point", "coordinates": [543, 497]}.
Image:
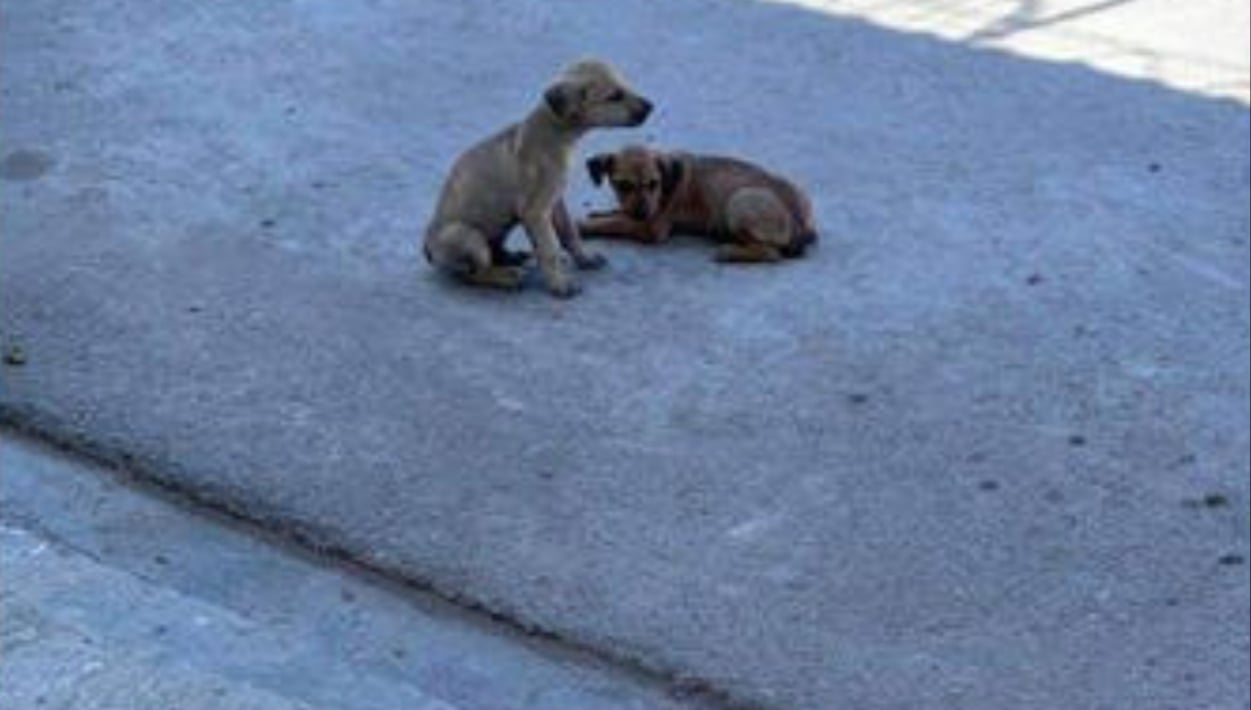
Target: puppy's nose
{"type": "Point", "coordinates": [645, 108]}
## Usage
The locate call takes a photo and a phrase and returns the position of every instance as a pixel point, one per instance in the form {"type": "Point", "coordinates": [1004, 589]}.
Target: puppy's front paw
{"type": "Point", "coordinates": [590, 261]}
{"type": "Point", "coordinates": [563, 286]}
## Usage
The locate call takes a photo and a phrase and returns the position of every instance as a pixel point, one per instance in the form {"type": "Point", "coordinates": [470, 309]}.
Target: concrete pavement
{"type": "Point", "coordinates": [951, 460]}
{"type": "Point", "coordinates": [115, 600]}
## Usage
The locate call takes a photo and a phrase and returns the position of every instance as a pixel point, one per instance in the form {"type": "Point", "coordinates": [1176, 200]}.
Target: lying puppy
{"type": "Point", "coordinates": [758, 216]}
{"type": "Point", "coordinates": [518, 175]}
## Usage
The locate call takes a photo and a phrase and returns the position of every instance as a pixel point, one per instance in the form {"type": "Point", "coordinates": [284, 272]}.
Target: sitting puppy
{"type": "Point", "coordinates": [758, 216]}
{"type": "Point", "coordinates": [518, 175]}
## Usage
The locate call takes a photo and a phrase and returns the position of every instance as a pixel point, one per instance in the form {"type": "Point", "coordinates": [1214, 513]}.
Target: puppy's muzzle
{"type": "Point", "coordinates": [640, 112]}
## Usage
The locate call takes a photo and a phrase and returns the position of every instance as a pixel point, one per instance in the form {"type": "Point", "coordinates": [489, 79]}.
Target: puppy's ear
{"type": "Point", "coordinates": [560, 98]}
{"type": "Point", "coordinates": [671, 171]}
{"type": "Point", "coordinates": [598, 166]}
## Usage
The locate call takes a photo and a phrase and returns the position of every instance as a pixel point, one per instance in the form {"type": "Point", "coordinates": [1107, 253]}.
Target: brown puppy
{"type": "Point", "coordinates": [758, 216]}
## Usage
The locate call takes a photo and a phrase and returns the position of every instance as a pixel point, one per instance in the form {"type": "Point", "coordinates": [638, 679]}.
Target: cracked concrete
{"type": "Point", "coordinates": [118, 600]}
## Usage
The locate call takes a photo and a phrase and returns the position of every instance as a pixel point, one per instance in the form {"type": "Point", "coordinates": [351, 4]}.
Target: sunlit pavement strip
{"type": "Point", "coordinates": [1202, 46]}
{"type": "Point", "coordinates": [111, 599]}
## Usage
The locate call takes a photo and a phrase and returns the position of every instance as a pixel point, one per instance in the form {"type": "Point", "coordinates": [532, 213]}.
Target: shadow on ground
{"type": "Point", "coordinates": [959, 457]}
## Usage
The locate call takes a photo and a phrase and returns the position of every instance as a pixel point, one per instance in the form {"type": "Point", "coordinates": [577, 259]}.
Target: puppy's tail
{"type": "Point", "coordinates": [805, 237]}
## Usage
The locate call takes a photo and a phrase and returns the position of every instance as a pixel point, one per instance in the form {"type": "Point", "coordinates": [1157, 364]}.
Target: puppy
{"type": "Point", "coordinates": [756, 215]}
{"type": "Point", "coordinates": [518, 176]}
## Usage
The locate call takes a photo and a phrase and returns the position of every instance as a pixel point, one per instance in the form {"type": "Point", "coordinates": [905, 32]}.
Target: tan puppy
{"type": "Point", "coordinates": [758, 216]}
{"type": "Point", "coordinates": [518, 176]}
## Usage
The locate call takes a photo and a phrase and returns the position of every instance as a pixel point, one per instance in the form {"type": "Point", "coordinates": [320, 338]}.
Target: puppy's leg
{"type": "Point", "coordinates": [749, 252]}
{"type": "Point", "coordinates": [508, 278]}
{"type": "Point", "coordinates": [615, 225]}
{"type": "Point", "coordinates": [608, 224]}
{"type": "Point", "coordinates": [538, 224]}
{"type": "Point", "coordinates": [464, 252]}
{"type": "Point", "coordinates": [571, 240]}
{"type": "Point", "coordinates": [760, 225]}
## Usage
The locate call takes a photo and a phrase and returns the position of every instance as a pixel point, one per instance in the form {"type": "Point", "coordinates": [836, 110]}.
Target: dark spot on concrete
{"type": "Point", "coordinates": [546, 475]}
{"type": "Point", "coordinates": [25, 164]}
{"type": "Point", "coordinates": [1215, 500]}
{"type": "Point", "coordinates": [1211, 500]}
{"type": "Point", "coordinates": [161, 560]}
{"type": "Point", "coordinates": [40, 700]}
{"type": "Point", "coordinates": [194, 309]}
{"type": "Point", "coordinates": [1172, 602]}
{"type": "Point", "coordinates": [160, 629]}
{"type": "Point", "coordinates": [1154, 167]}
{"type": "Point", "coordinates": [290, 111]}
{"type": "Point", "coordinates": [1034, 279]}
{"type": "Point", "coordinates": [976, 457]}
{"type": "Point", "coordinates": [347, 595]}
{"type": "Point", "coordinates": [62, 85]}
{"type": "Point", "coordinates": [1186, 459]}
{"type": "Point", "coordinates": [268, 223]}
{"type": "Point", "coordinates": [1053, 496]}
{"type": "Point", "coordinates": [320, 184]}
{"type": "Point", "coordinates": [399, 653]}
{"type": "Point", "coordinates": [858, 398]}
{"type": "Point", "coordinates": [988, 485]}
{"type": "Point", "coordinates": [14, 356]}
{"type": "Point", "coordinates": [1077, 440]}
{"type": "Point", "coordinates": [1232, 559]}
{"type": "Point", "coordinates": [687, 687]}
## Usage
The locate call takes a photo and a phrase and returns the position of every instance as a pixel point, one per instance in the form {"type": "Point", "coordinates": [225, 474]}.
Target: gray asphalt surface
{"type": "Point", "coordinates": [958, 458]}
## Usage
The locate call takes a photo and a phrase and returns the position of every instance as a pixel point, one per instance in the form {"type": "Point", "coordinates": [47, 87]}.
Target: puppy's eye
{"type": "Point", "coordinates": [616, 95]}
{"type": "Point", "coordinates": [625, 186]}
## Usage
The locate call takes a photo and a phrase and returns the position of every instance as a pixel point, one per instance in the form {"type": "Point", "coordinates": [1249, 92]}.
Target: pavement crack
{"type": "Point", "coordinates": [318, 544]}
